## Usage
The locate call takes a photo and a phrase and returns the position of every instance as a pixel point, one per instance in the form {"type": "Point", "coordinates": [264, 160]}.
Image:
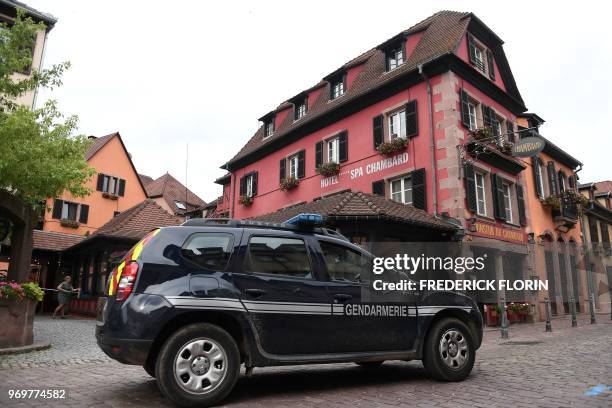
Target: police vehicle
{"type": "Point", "coordinates": [192, 303]}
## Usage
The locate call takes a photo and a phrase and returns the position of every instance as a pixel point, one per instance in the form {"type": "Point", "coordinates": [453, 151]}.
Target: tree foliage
{"type": "Point", "coordinates": [40, 157]}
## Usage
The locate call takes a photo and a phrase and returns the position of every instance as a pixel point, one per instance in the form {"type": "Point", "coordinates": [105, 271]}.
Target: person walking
{"type": "Point", "coordinates": [64, 294]}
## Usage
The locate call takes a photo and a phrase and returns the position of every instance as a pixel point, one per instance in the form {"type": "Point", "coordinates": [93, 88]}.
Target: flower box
{"type": "Point", "coordinates": [110, 196]}
{"type": "Point", "coordinates": [328, 169]}
{"type": "Point", "coordinates": [17, 307]}
{"type": "Point", "coordinates": [395, 145]}
{"type": "Point", "coordinates": [69, 223]}
{"type": "Point", "coordinates": [245, 200]}
{"type": "Point", "coordinates": [289, 183]}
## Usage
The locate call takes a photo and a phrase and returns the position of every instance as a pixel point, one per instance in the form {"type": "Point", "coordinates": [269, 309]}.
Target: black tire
{"type": "Point", "coordinates": [434, 359]}
{"type": "Point", "coordinates": [149, 369]}
{"type": "Point", "coordinates": [168, 355]}
{"type": "Point", "coordinates": [370, 364]}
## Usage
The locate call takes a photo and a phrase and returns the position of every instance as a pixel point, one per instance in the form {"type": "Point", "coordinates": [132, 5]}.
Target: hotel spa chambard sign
{"type": "Point", "coordinates": [370, 168]}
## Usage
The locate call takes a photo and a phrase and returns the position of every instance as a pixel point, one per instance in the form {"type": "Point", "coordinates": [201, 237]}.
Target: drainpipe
{"type": "Point", "coordinates": [432, 143]}
{"type": "Point", "coordinates": [587, 261]}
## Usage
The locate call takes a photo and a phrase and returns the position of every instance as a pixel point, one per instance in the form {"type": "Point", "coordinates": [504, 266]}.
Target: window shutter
{"type": "Point", "coordinates": [57, 209]}
{"type": "Point", "coordinates": [343, 146]}
{"type": "Point", "coordinates": [242, 186]}
{"type": "Point", "coordinates": [510, 128]}
{"type": "Point", "coordinates": [301, 164]}
{"type": "Point", "coordinates": [570, 182]}
{"type": "Point", "coordinates": [100, 183]}
{"type": "Point", "coordinates": [535, 163]}
{"type": "Point", "coordinates": [491, 65]}
{"type": "Point", "coordinates": [378, 187]}
{"type": "Point", "coordinates": [84, 214]}
{"type": "Point", "coordinates": [497, 186]}
{"type": "Point", "coordinates": [465, 112]}
{"type": "Point", "coordinates": [471, 48]}
{"type": "Point", "coordinates": [561, 177]}
{"type": "Point", "coordinates": [318, 154]}
{"type": "Point", "coordinates": [520, 198]}
{"type": "Point", "coordinates": [282, 167]}
{"type": "Point", "coordinates": [387, 56]}
{"type": "Point", "coordinates": [379, 134]}
{"type": "Point", "coordinates": [412, 120]}
{"type": "Point", "coordinates": [121, 187]}
{"type": "Point", "coordinates": [470, 188]}
{"type": "Point", "coordinates": [487, 117]}
{"type": "Point", "coordinates": [552, 178]}
{"type": "Point", "coordinates": [254, 175]}
{"type": "Point", "coordinates": [419, 192]}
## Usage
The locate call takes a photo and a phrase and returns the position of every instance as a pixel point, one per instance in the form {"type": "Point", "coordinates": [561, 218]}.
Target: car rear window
{"type": "Point", "coordinates": [209, 250]}
{"type": "Point", "coordinates": [278, 256]}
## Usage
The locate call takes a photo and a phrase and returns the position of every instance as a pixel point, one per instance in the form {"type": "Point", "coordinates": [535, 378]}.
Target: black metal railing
{"type": "Point", "coordinates": [568, 208]}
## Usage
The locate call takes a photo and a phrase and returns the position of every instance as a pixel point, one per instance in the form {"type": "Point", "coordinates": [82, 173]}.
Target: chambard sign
{"type": "Point", "coordinates": [528, 146]}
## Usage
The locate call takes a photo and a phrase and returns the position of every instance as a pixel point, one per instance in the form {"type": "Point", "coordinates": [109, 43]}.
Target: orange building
{"type": "Point", "coordinates": [115, 187]}
{"type": "Point", "coordinates": [554, 223]}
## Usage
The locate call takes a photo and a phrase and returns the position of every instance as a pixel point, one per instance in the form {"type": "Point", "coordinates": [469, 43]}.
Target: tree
{"type": "Point", "coordinates": [40, 157]}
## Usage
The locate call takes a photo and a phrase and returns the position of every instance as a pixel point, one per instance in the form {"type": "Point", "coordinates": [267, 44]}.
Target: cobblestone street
{"type": "Point", "coordinates": [533, 369]}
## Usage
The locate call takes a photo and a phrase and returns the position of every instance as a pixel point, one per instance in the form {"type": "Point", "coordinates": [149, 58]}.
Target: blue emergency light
{"type": "Point", "coordinates": [305, 220]}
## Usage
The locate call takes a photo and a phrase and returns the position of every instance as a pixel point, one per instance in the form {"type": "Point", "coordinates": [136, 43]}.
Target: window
{"type": "Point", "coordinates": [497, 129]}
{"type": "Point", "coordinates": [69, 211]}
{"type": "Point", "coordinates": [278, 256]}
{"type": "Point", "coordinates": [397, 125]}
{"type": "Point", "coordinates": [395, 58]}
{"type": "Point", "coordinates": [507, 201]}
{"type": "Point", "coordinates": [293, 166]}
{"type": "Point", "coordinates": [333, 150]}
{"type": "Point", "coordinates": [481, 203]}
{"type": "Point", "coordinates": [401, 190]}
{"type": "Point", "coordinates": [337, 89]}
{"type": "Point", "coordinates": [472, 116]}
{"type": "Point", "coordinates": [269, 128]}
{"type": "Point", "coordinates": [180, 205]}
{"type": "Point", "coordinates": [343, 263]}
{"type": "Point", "coordinates": [479, 59]}
{"type": "Point", "coordinates": [300, 110]}
{"type": "Point", "coordinates": [539, 179]}
{"type": "Point", "coordinates": [249, 185]}
{"type": "Point", "coordinates": [209, 250]}
{"type": "Point", "coordinates": [110, 184]}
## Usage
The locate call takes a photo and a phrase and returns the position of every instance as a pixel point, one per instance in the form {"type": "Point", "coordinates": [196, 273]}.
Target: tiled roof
{"type": "Point", "coordinates": [55, 241]}
{"type": "Point", "coordinates": [355, 204]}
{"type": "Point", "coordinates": [98, 143]}
{"type": "Point", "coordinates": [603, 186]}
{"type": "Point", "coordinates": [145, 179]}
{"type": "Point", "coordinates": [442, 33]}
{"type": "Point", "coordinates": [172, 191]}
{"type": "Point", "coordinates": [137, 221]}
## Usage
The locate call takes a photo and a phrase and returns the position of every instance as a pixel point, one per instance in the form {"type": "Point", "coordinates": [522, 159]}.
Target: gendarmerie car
{"type": "Point", "coordinates": [192, 303]}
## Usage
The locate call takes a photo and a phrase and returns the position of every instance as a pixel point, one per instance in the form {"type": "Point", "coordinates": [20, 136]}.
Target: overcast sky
{"type": "Point", "coordinates": [167, 74]}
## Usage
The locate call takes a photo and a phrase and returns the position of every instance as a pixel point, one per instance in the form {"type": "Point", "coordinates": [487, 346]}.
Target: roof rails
{"type": "Point", "coordinates": [233, 223]}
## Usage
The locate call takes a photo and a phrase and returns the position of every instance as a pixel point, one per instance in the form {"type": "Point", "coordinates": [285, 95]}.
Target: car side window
{"type": "Point", "coordinates": [278, 256]}
{"type": "Point", "coordinates": [343, 263]}
{"type": "Point", "coordinates": [209, 250]}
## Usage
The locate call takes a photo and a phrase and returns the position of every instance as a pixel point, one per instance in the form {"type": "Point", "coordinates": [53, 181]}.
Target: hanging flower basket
{"type": "Point", "coordinates": [506, 148]}
{"type": "Point", "coordinates": [328, 169]}
{"type": "Point", "coordinates": [289, 183]}
{"type": "Point", "coordinates": [395, 145]}
{"type": "Point", "coordinates": [245, 200]}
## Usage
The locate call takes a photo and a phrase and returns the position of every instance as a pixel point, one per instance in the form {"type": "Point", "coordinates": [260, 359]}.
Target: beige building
{"type": "Point", "coordinates": [8, 12]}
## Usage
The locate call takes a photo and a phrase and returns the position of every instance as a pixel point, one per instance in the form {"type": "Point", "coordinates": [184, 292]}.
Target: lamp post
{"type": "Point", "coordinates": [547, 305]}
{"type": "Point", "coordinates": [573, 311]}
{"type": "Point", "coordinates": [504, 322]}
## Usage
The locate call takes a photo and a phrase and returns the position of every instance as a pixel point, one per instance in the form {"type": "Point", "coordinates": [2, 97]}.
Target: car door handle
{"type": "Point", "coordinates": [255, 292]}
{"type": "Point", "coordinates": [342, 297]}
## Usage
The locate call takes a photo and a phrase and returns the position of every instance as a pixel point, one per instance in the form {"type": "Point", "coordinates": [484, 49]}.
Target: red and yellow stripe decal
{"type": "Point", "coordinates": [132, 255]}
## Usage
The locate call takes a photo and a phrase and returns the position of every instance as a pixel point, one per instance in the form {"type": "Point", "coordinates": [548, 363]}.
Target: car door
{"type": "Point", "coordinates": [364, 320]}
{"type": "Point", "coordinates": [286, 302]}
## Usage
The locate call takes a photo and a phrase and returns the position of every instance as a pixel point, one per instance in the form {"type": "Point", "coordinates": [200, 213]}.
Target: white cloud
{"type": "Point", "coordinates": [166, 74]}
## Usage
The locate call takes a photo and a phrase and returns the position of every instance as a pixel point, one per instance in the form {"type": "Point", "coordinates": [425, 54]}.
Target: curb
{"type": "Point", "coordinates": [41, 345]}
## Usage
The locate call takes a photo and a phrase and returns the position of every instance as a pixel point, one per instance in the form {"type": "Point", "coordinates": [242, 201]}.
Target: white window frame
{"type": "Point", "coordinates": [481, 209]}
{"type": "Point", "coordinates": [507, 189]}
{"type": "Point", "coordinates": [472, 116]}
{"type": "Point", "coordinates": [249, 185]}
{"type": "Point", "coordinates": [479, 57]}
{"type": "Point", "coordinates": [269, 128]}
{"type": "Point", "coordinates": [405, 184]}
{"type": "Point", "coordinates": [301, 110]}
{"type": "Point", "coordinates": [540, 178]}
{"type": "Point", "coordinates": [338, 89]}
{"type": "Point", "coordinates": [396, 58]}
{"type": "Point", "coordinates": [397, 119]}
{"type": "Point", "coordinates": [293, 166]}
{"type": "Point", "coordinates": [333, 150]}
{"type": "Point", "coordinates": [65, 211]}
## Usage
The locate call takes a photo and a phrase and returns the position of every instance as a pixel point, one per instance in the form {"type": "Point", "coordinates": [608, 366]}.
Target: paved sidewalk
{"type": "Point", "coordinates": [532, 369]}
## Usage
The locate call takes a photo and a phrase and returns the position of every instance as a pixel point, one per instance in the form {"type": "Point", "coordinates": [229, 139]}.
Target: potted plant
{"type": "Point", "coordinates": [110, 195]}
{"type": "Point", "coordinates": [17, 306]}
{"type": "Point", "coordinates": [513, 311]}
{"type": "Point", "coordinates": [289, 183]}
{"type": "Point", "coordinates": [245, 200]}
{"type": "Point", "coordinates": [395, 145]}
{"type": "Point", "coordinates": [552, 202]}
{"type": "Point", "coordinates": [328, 169]}
{"type": "Point", "coordinates": [506, 148]}
{"type": "Point", "coordinates": [482, 133]}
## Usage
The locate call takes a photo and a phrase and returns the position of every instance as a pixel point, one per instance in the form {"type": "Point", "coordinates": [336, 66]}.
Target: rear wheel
{"type": "Point", "coordinates": [198, 365]}
{"type": "Point", "coordinates": [449, 351]}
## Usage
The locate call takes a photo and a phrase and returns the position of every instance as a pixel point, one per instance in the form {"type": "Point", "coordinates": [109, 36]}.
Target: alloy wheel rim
{"type": "Point", "coordinates": [200, 366]}
{"type": "Point", "coordinates": [454, 349]}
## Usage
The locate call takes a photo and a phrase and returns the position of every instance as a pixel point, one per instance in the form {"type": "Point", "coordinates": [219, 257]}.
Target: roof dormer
{"type": "Point", "coordinates": [394, 50]}
{"type": "Point", "coordinates": [268, 124]}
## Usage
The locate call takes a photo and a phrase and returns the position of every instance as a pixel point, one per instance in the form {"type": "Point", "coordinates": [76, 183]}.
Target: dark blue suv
{"type": "Point", "coordinates": [192, 303]}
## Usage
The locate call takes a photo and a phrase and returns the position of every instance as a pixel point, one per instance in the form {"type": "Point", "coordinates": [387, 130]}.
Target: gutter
{"type": "Point", "coordinates": [432, 142]}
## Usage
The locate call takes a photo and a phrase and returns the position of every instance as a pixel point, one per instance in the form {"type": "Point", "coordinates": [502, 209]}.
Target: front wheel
{"type": "Point", "coordinates": [449, 351]}
{"type": "Point", "coordinates": [198, 365]}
